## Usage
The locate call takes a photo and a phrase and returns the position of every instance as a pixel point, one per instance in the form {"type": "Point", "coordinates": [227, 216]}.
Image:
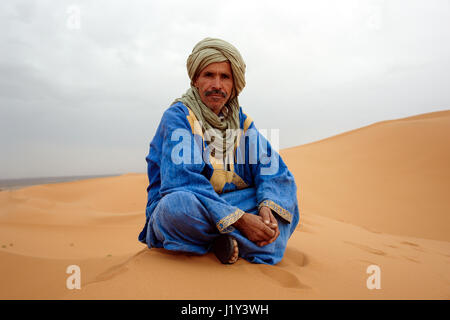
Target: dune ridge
{"type": "Point", "coordinates": [381, 176]}
{"type": "Point", "coordinates": [372, 196]}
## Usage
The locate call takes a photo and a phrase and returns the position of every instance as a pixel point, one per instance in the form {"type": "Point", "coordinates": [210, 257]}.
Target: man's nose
{"type": "Point", "coordinates": [217, 83]}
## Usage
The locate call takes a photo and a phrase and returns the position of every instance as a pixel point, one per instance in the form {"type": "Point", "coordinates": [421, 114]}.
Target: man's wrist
{"type": "Point", "coordinates": [239, 221]}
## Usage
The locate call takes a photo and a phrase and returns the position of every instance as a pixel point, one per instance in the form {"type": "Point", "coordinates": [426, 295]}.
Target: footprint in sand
{"type": "Point", "coordinates": [372, 230]}
{"type": "Point", "coordinates": [283, 277]}
{"type": "Point", "coordinates": [296, 256]}
{"type": "Point", "coordinates": [367, 248]}
{"type": "Point", "coordinates": [117, 269]}
{"type": "Point", "coordinates": [411, 259]}
{"type": "Point", "coordinates": [412, 244]}
{"type": "Point", "coordinates": [111, 273]}
{"type": "Point", "coordinates": [367, 262]}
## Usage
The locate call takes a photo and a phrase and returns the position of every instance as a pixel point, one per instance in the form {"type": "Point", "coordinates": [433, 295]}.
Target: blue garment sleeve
{"type": "Point", "coordinates": [276, 187]}
{"type": "Point", "coordinates": [182, 165]}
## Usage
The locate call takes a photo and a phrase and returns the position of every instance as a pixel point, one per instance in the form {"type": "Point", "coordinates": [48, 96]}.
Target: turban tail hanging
{"type": "Point", "coordinates": [209, 51]}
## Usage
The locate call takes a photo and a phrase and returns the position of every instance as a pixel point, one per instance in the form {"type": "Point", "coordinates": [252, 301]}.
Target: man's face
{"type": "Point", "coordinates": [215, 84]}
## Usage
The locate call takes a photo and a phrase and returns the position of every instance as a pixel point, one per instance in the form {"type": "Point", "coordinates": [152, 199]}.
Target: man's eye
{"type": "Point", "coordinates": [225, 76]}
{"type": "Point", "coordinates": [208, 74]}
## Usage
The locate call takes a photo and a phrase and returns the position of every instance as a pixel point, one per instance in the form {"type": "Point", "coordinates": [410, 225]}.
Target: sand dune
{"type": "Point", "coordinates": [392, 176]}
{"type": "Point", "coordinates": [372, 196]}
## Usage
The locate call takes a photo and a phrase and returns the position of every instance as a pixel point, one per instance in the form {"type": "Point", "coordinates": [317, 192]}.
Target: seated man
{"type": "Point", "coordinates": [212, 184]}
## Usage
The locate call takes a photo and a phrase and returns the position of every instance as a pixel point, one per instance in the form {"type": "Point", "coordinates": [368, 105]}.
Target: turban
{"type": "Point", "coordinates": [211, 50]}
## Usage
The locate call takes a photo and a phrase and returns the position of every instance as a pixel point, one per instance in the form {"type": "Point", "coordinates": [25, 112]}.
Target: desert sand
{"type": "Point", "coordinates": [378, 195]}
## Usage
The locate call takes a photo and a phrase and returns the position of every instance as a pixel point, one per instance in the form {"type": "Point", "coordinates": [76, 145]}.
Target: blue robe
{"type": "Point", "coordinates": [192, 198]}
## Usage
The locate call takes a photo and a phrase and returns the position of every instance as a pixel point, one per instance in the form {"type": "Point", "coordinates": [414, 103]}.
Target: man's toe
{"type": "Point", "coordinates": [235, 253]}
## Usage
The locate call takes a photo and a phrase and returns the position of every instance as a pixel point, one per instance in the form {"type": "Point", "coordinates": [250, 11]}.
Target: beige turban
{"type": "Point", "coordinates": [211, 50]}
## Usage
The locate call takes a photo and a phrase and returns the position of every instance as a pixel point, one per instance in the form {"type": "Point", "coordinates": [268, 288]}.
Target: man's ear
{"type": "Point", "coordinates": [233, 92]}
{"type": "Point", "coordinates": [194, 82]}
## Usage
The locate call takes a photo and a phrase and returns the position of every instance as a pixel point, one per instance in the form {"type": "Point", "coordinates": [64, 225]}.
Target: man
{"type": "Point", "coordinates": [207, 189]}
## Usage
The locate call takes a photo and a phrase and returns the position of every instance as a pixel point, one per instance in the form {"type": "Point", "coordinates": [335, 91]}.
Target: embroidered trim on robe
{"type": "Point", "coordinates": [285, 214]}
{"type": "Point", "coordinates": [225, 224]}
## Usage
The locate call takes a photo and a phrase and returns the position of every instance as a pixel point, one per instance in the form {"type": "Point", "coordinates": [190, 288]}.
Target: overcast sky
{"type": "Point", "coordinates": [83, 84]}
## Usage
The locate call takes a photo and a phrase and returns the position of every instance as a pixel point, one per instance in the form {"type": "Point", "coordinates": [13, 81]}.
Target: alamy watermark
{"type": "Point", "coordinates": [249, 147]}
{"type": "Point", "coordinates": [73, 21]}
{"type": "Point", "coordinates": [74, 280]}
{"type": "Point", "coordinates": [374, 280]}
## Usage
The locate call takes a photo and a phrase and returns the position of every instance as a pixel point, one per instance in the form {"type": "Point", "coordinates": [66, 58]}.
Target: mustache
{"type": "Point", "coordinates": [210, 92]}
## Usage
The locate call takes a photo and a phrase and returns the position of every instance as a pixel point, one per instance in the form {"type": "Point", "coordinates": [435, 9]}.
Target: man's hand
{"type": "Point", "coordinates": [253, 227]}
{"type": "Point", "coordinates": [256, 230]}
{"type": "Point", "coordinates": [266, 214]}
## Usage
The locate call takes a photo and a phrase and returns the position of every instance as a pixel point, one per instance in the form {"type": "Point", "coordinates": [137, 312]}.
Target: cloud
{"type": "Point", "coordinates": [87, 100]}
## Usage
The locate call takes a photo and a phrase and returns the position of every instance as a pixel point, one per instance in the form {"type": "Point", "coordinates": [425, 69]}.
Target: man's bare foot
{"type": "Point", "coordinates": [235, 255]}
{"type": "Point", "coordinates": [226, 249]}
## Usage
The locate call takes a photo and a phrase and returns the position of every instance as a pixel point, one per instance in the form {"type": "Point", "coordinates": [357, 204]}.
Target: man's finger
{"type": "Point", "coordinates": [273, 220]}
{"type": "Point", "coordinates": [265, 215]}
{"type": "Point", "coordinates": [277, 233]}
{"type": "Point", "coordinates": [264, 233]}
{"type": "Point", "coordinates": [269, 241]}
{"type": "Point", "coordinates": [268, 232]}
{"type": "Point", "coordinates": [275, 236]}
